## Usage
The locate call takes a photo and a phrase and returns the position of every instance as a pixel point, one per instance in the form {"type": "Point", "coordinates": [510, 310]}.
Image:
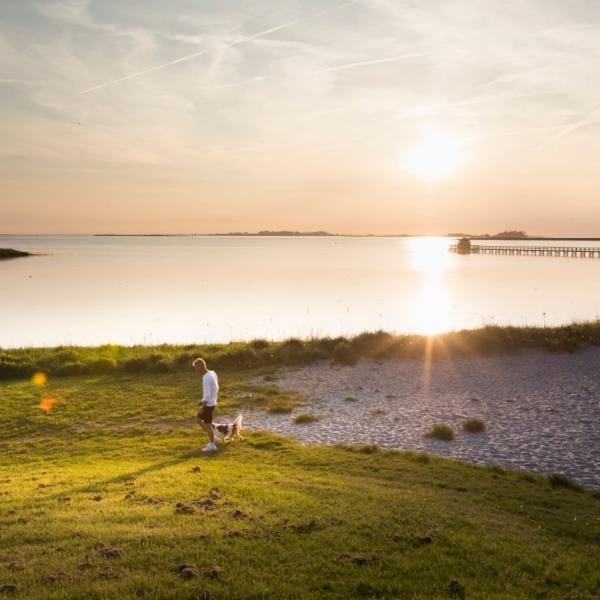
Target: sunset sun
{"type": "Point", "coordinates": [437, 155]}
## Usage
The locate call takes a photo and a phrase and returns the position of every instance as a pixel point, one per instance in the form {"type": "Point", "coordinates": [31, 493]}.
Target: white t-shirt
{"type": "Point", "coordinates": [210, 388]}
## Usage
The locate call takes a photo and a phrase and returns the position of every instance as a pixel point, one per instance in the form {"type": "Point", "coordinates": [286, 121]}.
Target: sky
{"type": "Point", "coordinates": [359, 116]}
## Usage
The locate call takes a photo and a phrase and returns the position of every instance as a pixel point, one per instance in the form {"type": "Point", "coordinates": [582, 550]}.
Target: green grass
{"type": "Point", "coordinates": [66, 361]}
{"type": "Point", "coordinates": [441, 432]}
{"type": "Point", "coordinates": [474, 426]}
{"type": "Point", "coordinates": [107, 496]}
{"type": "Point", "coordinates": [305, 418]}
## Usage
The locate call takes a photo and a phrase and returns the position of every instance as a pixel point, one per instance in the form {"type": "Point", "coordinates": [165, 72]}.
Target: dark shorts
{"type": "Point", "coordinates": [205, 413]}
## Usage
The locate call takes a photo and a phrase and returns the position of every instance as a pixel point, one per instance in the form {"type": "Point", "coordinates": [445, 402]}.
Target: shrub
{"type": "Point", "coordinates": [441, 432]}
{"type": "Point", "coordinates": [72, 368]}
{"type": "Point", "coordinates": [377, 411]}
{"type": "Point", "coordinates": [305, 418]}
{"type": "Point", "coordinates": [559, 480]}
{"type": "Point", "coordinates": [350, 399]}
{"type": "Point", "coordinates": [474, 425]}
{"type": "Point", "coordinates": [344, 354]}
{"type": "Point", "coordinates": [280, 409]}
{"type": "Point", "coordinates": [15, 370]}
{"type": "Point", "coordinates": [102, 366]}
{"type": "Point", "coordinates": [135, 365]}
{"type": "Point", "coordinates": [259, 344]}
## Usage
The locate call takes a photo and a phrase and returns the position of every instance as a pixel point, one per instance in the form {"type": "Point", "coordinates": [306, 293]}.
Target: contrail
{"type": "Point", "coordinates": [589, 119]}
{"type": "Point", "coordinates": [352, 65]}
{"type": "Point", "coordinates": [144, 72]}
{"type": "Point", "coordinates": [376, 61]}
{"type": "Point", "coordinates": [235, 43]}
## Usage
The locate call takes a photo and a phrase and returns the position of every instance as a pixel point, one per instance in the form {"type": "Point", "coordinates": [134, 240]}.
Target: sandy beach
{"type": "Point", "coordinates": [541, 409]}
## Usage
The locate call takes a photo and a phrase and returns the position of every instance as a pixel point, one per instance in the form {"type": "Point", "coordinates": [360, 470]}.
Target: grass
{"type": "Point", "coordinates": [441, 432]}
{"type": "Point", "coordinates": [305, 418]}
{"type": "Point", "coordinates": [559, 480]}
{"type": "Point", "coordinates": [474, 425]}
{"type": "Point", "coordinates": [106, 495]}
{"type": "Point", "coordinates": [66, 361]}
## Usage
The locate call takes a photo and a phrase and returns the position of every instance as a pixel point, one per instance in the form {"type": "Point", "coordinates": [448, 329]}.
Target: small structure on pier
{"type": "Point", "coordinates": [463, 246]}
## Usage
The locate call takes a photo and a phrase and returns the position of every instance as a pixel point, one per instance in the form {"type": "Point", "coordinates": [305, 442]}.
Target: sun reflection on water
{"type": "Point", "coordinates": [430, 257]}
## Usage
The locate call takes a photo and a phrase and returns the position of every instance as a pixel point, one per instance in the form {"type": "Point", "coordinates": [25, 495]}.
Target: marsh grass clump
{"type": "Point", "coordinates": [441, 432]}
{"type": "Point", "coordinates": [344, 354]}
{"type": "Point", "coordinates": [559, 480]}
{"type": "Point", "coordinates": [305, 418]}
{"type": "Point", "coordinates": [280, 408]}
{"type": "Point", "coordinates": [474, 426]}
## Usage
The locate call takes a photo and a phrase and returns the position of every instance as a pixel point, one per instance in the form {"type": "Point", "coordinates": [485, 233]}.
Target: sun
{"type": "Point", "coordinates": [438, 155]}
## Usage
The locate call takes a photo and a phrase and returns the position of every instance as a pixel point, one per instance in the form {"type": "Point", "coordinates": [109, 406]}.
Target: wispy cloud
{"type": "Point", "coordinates": [234, 43]}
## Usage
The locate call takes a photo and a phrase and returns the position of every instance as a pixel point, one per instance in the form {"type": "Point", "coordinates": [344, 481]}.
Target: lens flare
{"type": "Point", "coordinates": [47, 403]}
{"type": "Point", "coordinates": [39, 379]}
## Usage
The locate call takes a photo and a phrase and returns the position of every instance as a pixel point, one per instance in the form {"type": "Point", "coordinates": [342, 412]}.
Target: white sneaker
{"type": "Point", "coordinates": [210, 448]}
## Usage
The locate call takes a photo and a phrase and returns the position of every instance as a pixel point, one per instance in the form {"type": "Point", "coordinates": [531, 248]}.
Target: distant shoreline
{"type": "Point", "coordinates": [347, 235]}
{"type": "Point", "coordinates": [9, 253]}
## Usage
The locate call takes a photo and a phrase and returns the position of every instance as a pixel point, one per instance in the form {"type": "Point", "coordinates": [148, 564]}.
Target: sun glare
{"type": "Point", "coordinates": [430, 257]}
{"type": "Point", "coordinates": [437, 155]}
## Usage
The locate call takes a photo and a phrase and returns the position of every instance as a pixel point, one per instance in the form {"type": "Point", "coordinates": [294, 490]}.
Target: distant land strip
{"type": "Point", "coordinates": [7, 253]}
{"type": "Point", "coordinates": [509, 236]}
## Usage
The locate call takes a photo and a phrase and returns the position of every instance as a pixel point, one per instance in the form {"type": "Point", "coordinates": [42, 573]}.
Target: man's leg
{"type": "Point", "coordinates": [207, 428]}
{"type": "Point", "coordinates": [209, 431]}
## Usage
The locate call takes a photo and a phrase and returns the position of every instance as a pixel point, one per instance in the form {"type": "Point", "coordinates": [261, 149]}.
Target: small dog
{"type": "Point", "coordinates": [226, 431]}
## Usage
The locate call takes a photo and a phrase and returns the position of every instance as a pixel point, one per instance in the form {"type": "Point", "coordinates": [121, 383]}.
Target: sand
{"type": "Point", "coordinates": [541, 409]}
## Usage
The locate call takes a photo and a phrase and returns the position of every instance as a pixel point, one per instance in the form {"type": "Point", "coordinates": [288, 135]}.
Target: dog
{"type": "Point", "coordinates": [226, 431]}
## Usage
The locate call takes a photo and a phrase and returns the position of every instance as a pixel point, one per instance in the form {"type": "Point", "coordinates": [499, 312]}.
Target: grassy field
{"type": "Point", "coordinates": [104, 494]}
{"type": "Point", "coordinates": [67, 361]}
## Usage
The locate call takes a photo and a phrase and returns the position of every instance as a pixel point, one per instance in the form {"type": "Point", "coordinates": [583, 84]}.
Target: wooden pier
{"type": "Point", "coordinates": [565, 251]}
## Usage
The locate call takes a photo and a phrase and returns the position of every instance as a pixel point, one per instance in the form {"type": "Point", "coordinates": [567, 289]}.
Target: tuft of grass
{"type": "Point", "coordinates": [377, 411]}
{"type": "Point", "coordinates": [441, 432]}
{"type": "Point", "coordinates": [280, 408]}
{"type": "Point", "coordinates": [350, 399]}
{"type": "Point", "coordinates": [305, 418]}
{"type": "Point", "coordinates": [559, 480]}
{"type": "Point", "coordinates": [474, 425]}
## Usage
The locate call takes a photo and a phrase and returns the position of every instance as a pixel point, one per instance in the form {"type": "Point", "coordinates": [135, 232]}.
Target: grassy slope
{"type": "Point", "coordinates": [315, 521]}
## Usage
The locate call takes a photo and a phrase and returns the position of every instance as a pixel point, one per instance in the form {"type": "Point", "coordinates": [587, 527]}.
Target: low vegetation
{"type": "Point", "coordinates": [559, 480]}
{"type": "Point", "coordinates": [67, 361]}
{"type": "Point", "coordinates": [305, 418]}
{"type": "Point", "coordinates": [441, 432]}
{"type": "Point", "coordinates": [105, 494]}
{"type": "Point", "coordinates": [474, 426]}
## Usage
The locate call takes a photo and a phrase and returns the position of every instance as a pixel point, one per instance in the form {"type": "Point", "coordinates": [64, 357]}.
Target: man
{"type": "Point", "coordinates": [210, 391]}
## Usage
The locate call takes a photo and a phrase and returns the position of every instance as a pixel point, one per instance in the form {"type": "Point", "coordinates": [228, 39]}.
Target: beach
{"type": "Point", "coordinates": [541, 409]}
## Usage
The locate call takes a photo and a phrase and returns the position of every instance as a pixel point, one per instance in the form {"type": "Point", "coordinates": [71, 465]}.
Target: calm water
{"type": "Point", "coordinates": [92, 290]}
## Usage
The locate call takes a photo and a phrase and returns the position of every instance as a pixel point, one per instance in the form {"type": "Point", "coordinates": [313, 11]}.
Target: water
{"type": "Point", "coordinates": [126, 290]}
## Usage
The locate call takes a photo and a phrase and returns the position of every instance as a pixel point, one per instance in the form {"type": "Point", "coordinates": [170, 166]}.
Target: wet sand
{"type": "Point", "coordinates": [541, 409]}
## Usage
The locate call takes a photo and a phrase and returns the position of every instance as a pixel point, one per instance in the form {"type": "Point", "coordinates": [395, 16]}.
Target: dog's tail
{"type": "Point", "coordinates": [237, 424]}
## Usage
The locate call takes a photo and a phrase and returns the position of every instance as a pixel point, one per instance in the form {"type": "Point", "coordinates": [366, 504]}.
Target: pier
{"type": "Point", "coordinates": [564, 251]}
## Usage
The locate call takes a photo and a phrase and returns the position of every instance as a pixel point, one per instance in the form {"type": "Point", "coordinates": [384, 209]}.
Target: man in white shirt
{"type": "Point", "coordinates": [210, 391]}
